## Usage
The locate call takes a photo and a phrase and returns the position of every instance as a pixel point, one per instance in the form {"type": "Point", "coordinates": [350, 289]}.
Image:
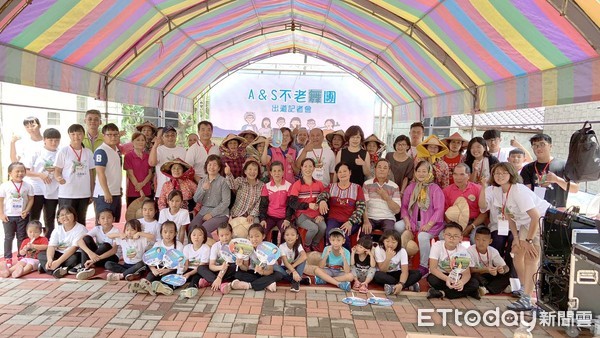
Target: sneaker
{"type": "Point", "coordinates": [159, 287]}
{"type": "Point", "coordinates": [319, 281]}
{"type": "Point", "coordinates": [74, 270]}
{"type": "Point", "coordinates": [295, 287]}
{"type": "Point", "coordinates": [415, 287]}
{"type": "Point", "coordinates": [389, 289]}
{"type": "Point", "coordinates": [356, 285]}
{"type": "Point", "coordinates": [475, 294]}
{"type": "Point", "coordinates": [225, 288]}
{"type": "Point", "coordinates": [85, 274]}
{"type": "Point", "coordinates": [433, 293]}
{"type": "Point", "coordinates": [133, 276]}
{"type": "Point", "coordinates": [423, 270]}
{"type": "Point", "coordinates": [344, 286]}
{"type": "Point", "coordinates": [239, 285]}
{"type": "Point", "coordinates": [363, 289]}
{"type": "Point", "coordinates": [518, 293]}
{"type": "Point", "coordinates": [482, 291]}
{"type": "Point", "coordinates": [146, 287]}
{"type": "Point", "coordinates": [40, 269]}
{"type": "Point", "coordinates": [305, 281]}
{"type": "Point", "coordinates": [272, 287]}
{"type": "Point", "coordinates": [203, 283]}
{"type": "Point", "coordinates": [188, 293]}
{"type": "Point", "coordinates": [60, 272]}
{"type": "Point", "coordinates": [114, 277]}
{"type": "Point", "coordinates": [507, 289]}
{"type": "Point", "coordinates": [523, 304]}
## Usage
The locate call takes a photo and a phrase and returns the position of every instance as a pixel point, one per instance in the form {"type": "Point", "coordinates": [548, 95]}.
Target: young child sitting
{"type": "Point", "coordinates": [251, 273]}
{"type": "Point", "coordinates": [196, 253]}
{"type": "Point", "coordinates": [362, 264]}
{"type": "Point", "coordinates": [490, 269]}
{"type": "Point", "coordinates": [334, 267]}
{"type": "Point", "coordinates": [392, 261]}
{"type": "Point", "coordinates": [97, 247]}
{"type": "Point", "coordinates": [149, 224]}
{"type": "Point", "coordinates": [133, 243]}
{"type": "Point", "coordinates": [176, 213]}
{"type": "Point", "coordinates": [218, 272]}
{"type": "Point", "coordinates": [293, 258]}
{"type": "Point", "coordinates": [29, 249]}
{"type": "Point", "coordinates": [442, 260]}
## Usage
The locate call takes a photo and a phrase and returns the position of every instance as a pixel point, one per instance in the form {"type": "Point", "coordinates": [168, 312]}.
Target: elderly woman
{"type": "Point", "coordinates": [336, 140]}
{"type": "Point", "coordinates": [356, 158]}
{"type": "Point", "coordinates": [214, 195]}
{"type": "Point", "coordinates": [401, 164]}
{"type": "Point", "coordinates": [433, 151]}
{"type": "Point", "coordinates": [375, 148]}
{"type": "Point", "coordinates": [422, 211]}
{"type": "Point", "coordinates": [284, 154]}
{"type": "Point", "coordinates": [345, 203]}
{"type": "Point", "coordinates": [233, 154]}
{"type": "Point", "coordinates": [180, 177]}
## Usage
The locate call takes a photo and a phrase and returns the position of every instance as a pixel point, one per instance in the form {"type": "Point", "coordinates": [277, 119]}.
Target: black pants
{"type": "Point", "coordinates": [494, 284]}
{"type": "Point", "coordinates": [50, 207]}
{"type": "Point", "coordinates": [393, 277]}
{"type": "Point", "coordinates": [80, 205]}
{"type": "Point", "coordinates": [210, 275]}
{"type": "Point", "coordinates": [99, 250]}
{"type": "Point", "coordinates": [69, 263]}
{"type": "Point", "coordinates": [504, 245]}
{"type": "Point", "coordinates": [470, 288]}
{"type": "Point", "coordinates": [16, 225]}
{"type": "Point", "coordinates": [36, 210]}
{"type": "Point", "coordinates": [125, 269]}
{"type": "Point", "coordinates": [258, 282]}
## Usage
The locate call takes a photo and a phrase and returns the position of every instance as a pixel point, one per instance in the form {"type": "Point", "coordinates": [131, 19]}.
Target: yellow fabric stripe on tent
{"type": "Point", "coordinates": [591, 8]}
{"type": "Point", "coordinates": [487, 10]}
{"type": "Point", "coordinates": [550, 87]}
{"type": "Point", "coordinates": [458, 59]}
{"type": "Point", "coordinates": [66, 22]}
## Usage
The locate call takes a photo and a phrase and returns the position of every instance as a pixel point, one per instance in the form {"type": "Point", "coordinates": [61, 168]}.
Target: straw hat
{"type": "Point", "coordinates": [330, 136]}
{"type": "Point", "coordinates": [459, 212]}
{"type": "Point", "coordinates": [134, 210]}
{"type": "Point", "coordinates": [433, 140]}
{"type": "Point", "coordinates": [249, 131]}
{"type": "Point", "coordinates": [240, 226]}
{"type": "Point", "coordinates": [258, 140]}
{"type": "Point", "coordinates": [167, 166]}
{"type": "Point", "coordinates": [230, 137]}
{"type": "Point", "coordinates": [146, 123]}
{"type": "Point", "coordinates": [373, 138]}
{"type": "Point", "coordinates": [456, 136]}
{"type": "Point", "coordinates": [408, 243]}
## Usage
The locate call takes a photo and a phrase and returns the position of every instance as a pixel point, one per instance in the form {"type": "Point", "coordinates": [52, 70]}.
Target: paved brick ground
{"type": "Point", "coordinates": [100, 309]}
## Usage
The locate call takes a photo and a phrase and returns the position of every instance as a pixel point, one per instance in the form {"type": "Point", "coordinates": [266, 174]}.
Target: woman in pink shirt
{"type": "Point", "coordinates": [139, 172]}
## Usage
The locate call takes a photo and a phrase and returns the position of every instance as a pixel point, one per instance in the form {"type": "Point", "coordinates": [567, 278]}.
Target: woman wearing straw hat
{"type": "Point", "coordinates": [433, 150]}
{"type": "Point", "coordinates": [248, 135]}
{"type": "Point", "coordinates": [336, 140]}
{"type": "Point", "coordinates": [233, 153]}
{"type": "Point", "coordinates": [254, 151]}
{"type": "Point", "coordinates": [375, 148]}
{"type": "Point", "coordinates": [181, 177]}
{"type": "Point", "coordinates": [149, 130]}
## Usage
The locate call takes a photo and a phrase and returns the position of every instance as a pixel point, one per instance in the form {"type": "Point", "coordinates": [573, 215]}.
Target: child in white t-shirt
{"type": "Point", "coordinates": [133, 243]}
{"type": "Point", "coordinates": [448, 255]}
{"type": "Point", "coordinates": [16, 201]}
{"type": "Point", "coordinates": [392, 262]}
{"type": "Point", "coordinates": [97, 247]}
{"type": "Point", "coordinates": [149, 224]}
{"type": "Point", "coordinates": [196, 253]}
{"type": "Point", "coordinates": [176, 214]}
{"type": "Point", "coordinates": [489, 268]}
{"type": "Point", "coordinates": [293, 258]}
{"type": "Point", "coordinates": [219, 271]}
{"type": "Point", "coordinates": [152, 283]}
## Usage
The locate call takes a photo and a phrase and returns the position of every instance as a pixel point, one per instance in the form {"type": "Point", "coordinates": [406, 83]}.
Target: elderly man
{"type": "Point", "coordinates": [382, 197]}
{"type": "Point", "coordinates": [323, 157]}
{"type": "Point", "coordinates": [198, 153]}
{"type": "Point", "coordinates": [462, 187]}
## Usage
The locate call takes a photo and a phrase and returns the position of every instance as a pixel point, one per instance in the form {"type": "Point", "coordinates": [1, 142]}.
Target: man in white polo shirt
{"type": "Point", "coordinates": [198, 152]}
{"type": "Point", "coordinates": [107, 191]}
{"type": "Point", "coordinates": [323, 157]}
{"type": "Point", "coordinates": [163, 153]}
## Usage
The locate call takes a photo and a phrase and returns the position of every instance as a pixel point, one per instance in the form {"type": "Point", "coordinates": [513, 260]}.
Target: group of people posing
{"type": "Point", "coordinates": [367, 211]}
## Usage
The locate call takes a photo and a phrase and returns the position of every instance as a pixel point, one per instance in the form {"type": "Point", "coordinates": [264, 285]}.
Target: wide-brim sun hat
{"type": "Point", "coordinates": [459, 212]}
{"type": "Point", "coordinates": [374, 138]}
{"type": "Point", "coordinates": [330, 136]}
{"type": "Point", "coordinates": [233, 137]}
{"type": "Point", "coordinates": [146, 123]}
{"type": "Point", "coordinates": [456, 137]}
{"type": "Point", "coordinates": [167, 166]}
{"type": "Point", "coordinates": [134, 210]}
{"type": "Point", "coordinates": [252, 132]}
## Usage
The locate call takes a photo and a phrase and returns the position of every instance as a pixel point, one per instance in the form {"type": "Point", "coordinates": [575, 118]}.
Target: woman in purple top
{"type": "Point", "coordinates": [422, 211]}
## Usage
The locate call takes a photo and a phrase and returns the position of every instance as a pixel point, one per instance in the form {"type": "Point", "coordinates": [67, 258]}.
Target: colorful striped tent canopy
{"type": "Point", "coordinates": [424, 57]}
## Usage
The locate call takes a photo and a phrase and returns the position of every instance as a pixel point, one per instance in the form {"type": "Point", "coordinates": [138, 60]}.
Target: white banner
{"type": "Point", "coordinates": [261, 102]}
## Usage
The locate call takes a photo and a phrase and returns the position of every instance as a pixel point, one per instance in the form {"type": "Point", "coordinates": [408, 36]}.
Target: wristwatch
{"type": "Point", "coordinates": [528, 240]}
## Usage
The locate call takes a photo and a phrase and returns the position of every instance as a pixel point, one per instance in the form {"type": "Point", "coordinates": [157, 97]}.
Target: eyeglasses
{"type": "Point", "coordinates": [539, 145]}
{"type": "Point", "coordinates": [452, 236]}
